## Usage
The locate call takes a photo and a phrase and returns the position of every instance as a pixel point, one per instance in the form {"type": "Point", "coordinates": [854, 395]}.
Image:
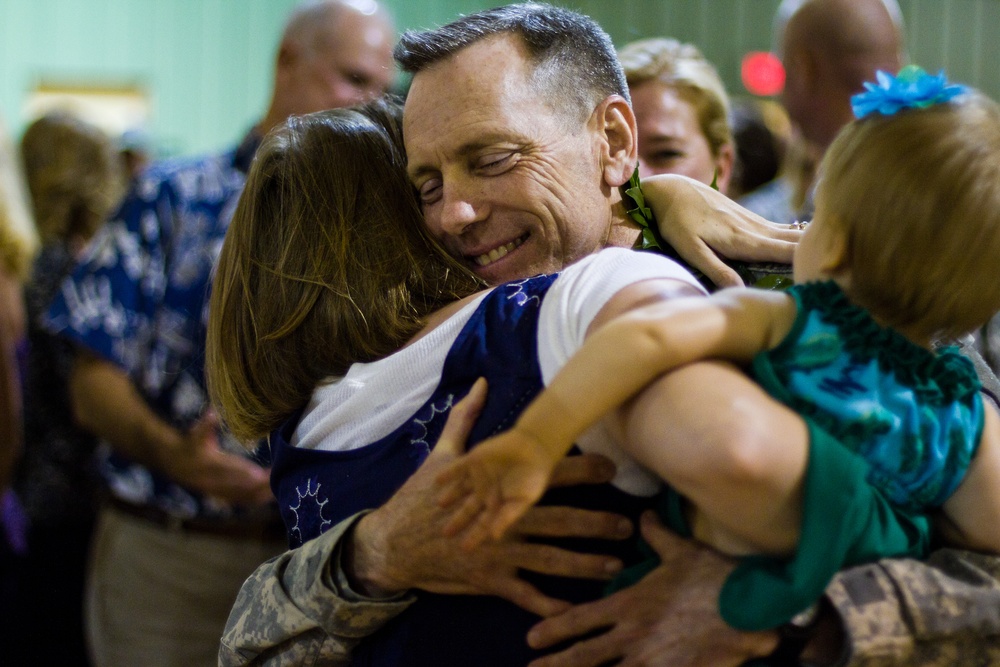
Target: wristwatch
{"type": "Point", "coordinates": [793, 637]}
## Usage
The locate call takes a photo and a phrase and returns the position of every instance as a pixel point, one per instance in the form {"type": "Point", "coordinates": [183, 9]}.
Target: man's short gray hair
{"type": "Point", "coordinates": [575, 62]}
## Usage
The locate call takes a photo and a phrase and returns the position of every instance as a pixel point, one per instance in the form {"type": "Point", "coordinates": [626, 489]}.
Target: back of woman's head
{"type": "Point", "coordinates": [918, 195]}
{"type": "Point", "coordinates": [74, 175]}
{"type": "Point", "coordinates": [326, 263]}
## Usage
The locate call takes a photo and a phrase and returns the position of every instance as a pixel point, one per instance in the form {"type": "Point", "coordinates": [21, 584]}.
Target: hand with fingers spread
{"type": "Point", "coordinates": [670, 617]}
{"type": "Point", "coordinates": [703, 226]}
{"type": "Point", "coordinates": [402, 544]}
{"type": "Point", "coordinates": [492, 486]}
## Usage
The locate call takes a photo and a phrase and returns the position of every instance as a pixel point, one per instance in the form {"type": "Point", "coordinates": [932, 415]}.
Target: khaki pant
{"type": "Point", "coordinates": [158, 597]}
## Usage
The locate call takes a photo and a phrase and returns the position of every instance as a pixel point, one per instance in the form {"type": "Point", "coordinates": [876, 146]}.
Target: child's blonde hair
{"type": "Point", "coordinates": [917, 194]}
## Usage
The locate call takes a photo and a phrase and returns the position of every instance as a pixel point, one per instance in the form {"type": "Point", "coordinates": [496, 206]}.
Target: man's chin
{"type": "Point", "coordinates": [494, 274]}
{"type": "Point", "coordinates": [511, 268]}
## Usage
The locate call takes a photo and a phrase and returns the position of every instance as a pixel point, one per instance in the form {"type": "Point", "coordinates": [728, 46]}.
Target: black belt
{"type": "Point", "coordinates": [264, 528]}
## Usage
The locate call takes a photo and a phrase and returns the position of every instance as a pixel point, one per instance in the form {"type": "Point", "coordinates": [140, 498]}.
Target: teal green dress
{"type": "Point", "coordinates": [893, 428]}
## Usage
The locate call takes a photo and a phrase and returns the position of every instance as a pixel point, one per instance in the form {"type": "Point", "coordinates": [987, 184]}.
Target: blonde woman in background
{"type": "Point", "coordinates": [75, 178]}
{"type": "Point", "coordinates": [681, 110]}
{"type": "Point", "coordinates": [18, 244]}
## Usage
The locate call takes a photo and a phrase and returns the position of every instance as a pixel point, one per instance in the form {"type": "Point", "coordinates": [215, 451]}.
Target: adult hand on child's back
{"type": "Point", "coordinates": [670, 617]}
{"type": "Point", "coordinates": [402, 546]}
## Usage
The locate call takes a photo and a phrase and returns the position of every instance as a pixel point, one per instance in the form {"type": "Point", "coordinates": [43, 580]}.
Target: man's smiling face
{"type": "Point", "coordinates": [509, 184]}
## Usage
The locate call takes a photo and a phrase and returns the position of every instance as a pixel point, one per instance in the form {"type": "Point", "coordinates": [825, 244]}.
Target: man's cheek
{"type": "Point", "coordinates": [432, 220]}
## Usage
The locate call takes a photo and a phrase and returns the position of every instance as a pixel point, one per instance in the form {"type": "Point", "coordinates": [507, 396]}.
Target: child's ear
{"type": "Point", "coordinates": [615, 123]}
{"type": "Point", "coordinates": [837, 255]}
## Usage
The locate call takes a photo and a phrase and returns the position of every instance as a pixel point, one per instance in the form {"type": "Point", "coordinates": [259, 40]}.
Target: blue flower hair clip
{"type": "Point", "coordinates": [912, 88]}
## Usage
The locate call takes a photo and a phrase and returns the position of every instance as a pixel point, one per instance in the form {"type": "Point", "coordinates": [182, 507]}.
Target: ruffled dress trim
{"type": "Point", "coordinates": [937, 377]}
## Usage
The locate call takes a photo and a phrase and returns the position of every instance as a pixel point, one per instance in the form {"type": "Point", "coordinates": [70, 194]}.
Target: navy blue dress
{"type": "Point", "coordinates": [317, 489]}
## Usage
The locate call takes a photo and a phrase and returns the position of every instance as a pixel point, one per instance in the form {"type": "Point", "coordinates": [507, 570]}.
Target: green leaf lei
{"type": "Point", "coordinates": [642, 215]}
{"type": "Point", "coordinates": [767, 276]}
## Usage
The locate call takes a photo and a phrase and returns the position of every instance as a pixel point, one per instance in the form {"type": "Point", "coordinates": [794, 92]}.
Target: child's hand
{"type": "Point", "coordinates": [494, 484]}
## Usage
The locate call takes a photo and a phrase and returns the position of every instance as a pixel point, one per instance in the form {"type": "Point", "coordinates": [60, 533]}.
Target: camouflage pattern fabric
{"type": "Point", "coordinates": [942, 613]}
{"type": "Point", "coordinates": [988, 343]}
{"type": "Point", "coordinates": [299, 609]}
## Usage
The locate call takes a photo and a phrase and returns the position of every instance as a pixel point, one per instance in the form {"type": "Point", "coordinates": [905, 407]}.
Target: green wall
{"type": "Point", "coordinates": [206, 64]}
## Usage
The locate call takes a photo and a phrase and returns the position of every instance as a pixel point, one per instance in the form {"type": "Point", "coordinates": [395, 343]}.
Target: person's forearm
{"type": "Point", "coordinates": [106, 403]}
{"type": "Point", "coordinates": [625, 355]}
{"type": "Point", "coordinates": [736, 454]}
{"type": "Point", "coordinates": [619, 359]}
{"type": "Point", "coordinates": [299, 608]}
{"type": "Point", "coordinates": [945, 611]}
{"type": "Point", "coordinates": [11, 430]}
{"type": "Point", "coordinates": [365, 564]}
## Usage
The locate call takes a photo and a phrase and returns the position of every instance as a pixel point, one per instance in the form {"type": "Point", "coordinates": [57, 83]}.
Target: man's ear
{"type": "Point", "coordinates": [615, 123]}
{"type": "Point", "coordinates": [288, 53]}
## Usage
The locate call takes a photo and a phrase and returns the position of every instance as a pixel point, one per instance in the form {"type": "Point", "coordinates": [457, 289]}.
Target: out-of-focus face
{"type": "Point", "coordinates": [670, 136]}
{"type": "Point", "coordinates": [795, 96]}
{"type": "Point", "coordinates": [352, 65]}
{"type": "Point", "coordinates": [509, 185]}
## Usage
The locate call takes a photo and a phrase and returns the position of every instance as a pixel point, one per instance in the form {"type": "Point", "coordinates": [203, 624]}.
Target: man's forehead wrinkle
{"type": "Point", "coordinates": [461, 135]}
{"type": "Point", "coordinates": [463, 151]}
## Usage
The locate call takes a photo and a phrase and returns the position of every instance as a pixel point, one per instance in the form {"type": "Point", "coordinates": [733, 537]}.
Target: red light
{"type": "Point", "coordinates": [762, 73]}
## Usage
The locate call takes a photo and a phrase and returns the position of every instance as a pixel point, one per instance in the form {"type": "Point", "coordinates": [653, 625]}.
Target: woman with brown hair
{"type": "Point", "coordinates": [342, 330]}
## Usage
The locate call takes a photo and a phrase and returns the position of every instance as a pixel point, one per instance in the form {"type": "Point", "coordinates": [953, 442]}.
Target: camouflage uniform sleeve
{"type": "Point", "coordinates": [299, 609]}
{"type": "Point", "coordinates": [942, 612]}
{"type": "Point", "coordinates": [988, 342]}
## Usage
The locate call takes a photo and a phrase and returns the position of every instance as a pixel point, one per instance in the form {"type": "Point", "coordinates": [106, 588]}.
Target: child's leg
{"type": "Point", "coordinates": [972, 513]}
{"type": "Point", "coordinates": [702, 430]}
{"type": "Point", "coordinates": [716, 534]}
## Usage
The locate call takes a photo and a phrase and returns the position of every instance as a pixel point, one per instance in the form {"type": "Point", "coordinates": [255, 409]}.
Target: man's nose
{"type": "Point", "coordinates": [460, 209]}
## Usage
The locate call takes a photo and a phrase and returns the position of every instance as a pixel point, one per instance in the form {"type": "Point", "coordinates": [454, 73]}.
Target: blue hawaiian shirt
{"type": "Point", "coordinates": [139, 299]}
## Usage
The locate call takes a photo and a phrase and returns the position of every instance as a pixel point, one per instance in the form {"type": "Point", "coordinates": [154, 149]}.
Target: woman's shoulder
{"type": "Point", "coordinates": [628, 265]}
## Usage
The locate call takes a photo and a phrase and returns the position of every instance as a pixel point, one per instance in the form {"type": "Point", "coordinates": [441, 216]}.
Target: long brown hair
{"type": "Point", "coordinates": [326, 263]}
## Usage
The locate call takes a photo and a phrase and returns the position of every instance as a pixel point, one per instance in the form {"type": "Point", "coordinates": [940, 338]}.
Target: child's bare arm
{"type": "Point", "coordinates": [505, 475]}
{"type": "Point", "coordinates": [972, 514]}
{"type": "Point", "coordinates": [624, 355]}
